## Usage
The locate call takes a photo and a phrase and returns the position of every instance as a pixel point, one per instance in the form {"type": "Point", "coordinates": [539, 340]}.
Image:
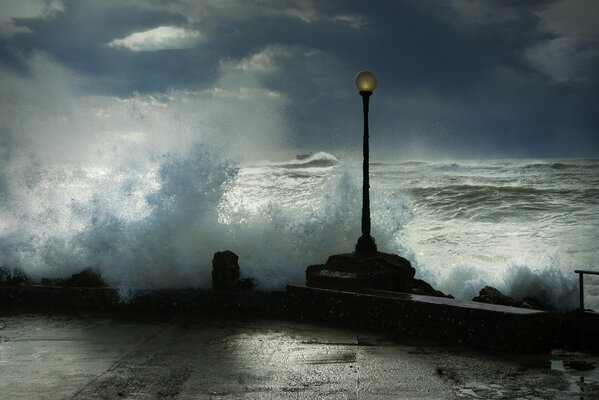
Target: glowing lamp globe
{"type": "Point", "coordinates": [365, 81]}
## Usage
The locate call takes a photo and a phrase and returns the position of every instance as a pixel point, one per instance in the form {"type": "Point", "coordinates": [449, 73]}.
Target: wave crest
{"type": "Point", "coordinates": [318, 160]}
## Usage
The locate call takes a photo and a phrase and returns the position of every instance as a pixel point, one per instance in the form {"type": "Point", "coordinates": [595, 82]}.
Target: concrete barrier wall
{"type": "Point", "coordinates": [265, 303]}
{"type": "Point", "coordinates": [483, 325]}
{"type": "Point", "coordinates": [448, 320]}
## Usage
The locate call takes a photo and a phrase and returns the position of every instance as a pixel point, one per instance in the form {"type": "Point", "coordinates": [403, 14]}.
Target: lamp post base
{"type": "Point", "coordinates": [366, 246]}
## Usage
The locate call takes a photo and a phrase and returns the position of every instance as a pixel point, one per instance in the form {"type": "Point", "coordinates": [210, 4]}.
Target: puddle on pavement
{"type": "Point", "coordinates": [579, 371]}
{"type": "Point", "coordinates": [577, 368]}
{"type": "Point", "coordinates": [333, 358]}
{"type": "Point", "coordinates": [582, 375]}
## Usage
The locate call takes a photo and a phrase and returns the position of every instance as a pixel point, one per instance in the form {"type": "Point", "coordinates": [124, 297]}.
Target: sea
{"type": "Point", "coordinates": [520, 225]}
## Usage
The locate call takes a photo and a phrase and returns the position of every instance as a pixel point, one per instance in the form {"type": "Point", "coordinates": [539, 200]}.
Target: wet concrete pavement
{"type": "Point", "coordinates": [128, 357]}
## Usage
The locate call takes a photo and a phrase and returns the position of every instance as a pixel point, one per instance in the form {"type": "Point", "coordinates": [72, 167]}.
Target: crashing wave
{"type": "Point", "coordinates": [317, 160]}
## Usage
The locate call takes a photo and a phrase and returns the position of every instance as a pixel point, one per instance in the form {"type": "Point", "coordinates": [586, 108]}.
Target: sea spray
{"type": "Point", "coordinates": [147, 188]}
{"type": "Point", "coordinates": [549, 286]}
{"type": "Point", "coordinates": [462, 281]}
{"type": "Point", "coordinates": [172, 245]}
{"type": "Point", "coordinates": [277, 243]}
{"type": "Point", "coordinates": [189, 213]}
{"type": "Point", "coordinates": [277, 219]}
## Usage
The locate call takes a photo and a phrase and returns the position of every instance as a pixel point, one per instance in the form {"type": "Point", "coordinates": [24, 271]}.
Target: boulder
{"type": "Point", "coordinates": [491, 295]}
{"type": "Point", "coordinates": [533, 303]}
{"type": "Point", "coordinates": [246, 284]}
{"type": "Point", "coordinates": [380, 271]}
{"type": "Point", "coordinates": [225, 272]}
{"type": "Point", "coordinates": [422, 287]}
{"type": "Point", "coordinates": [51, 281]}
{"type": "Point", "coordinates": [89, 277]}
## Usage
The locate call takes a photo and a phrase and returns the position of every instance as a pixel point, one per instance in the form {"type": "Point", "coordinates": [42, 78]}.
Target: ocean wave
{"type": "Point", "coordinates": [318, 160]}
{"type": "Point", "coordinates": [411, 163]}
{"type": "Point", "coordinates": [477, 190]}
{"type": "Point", "coordinates": [577, 164]}
{"type": "Point", "coordinates": [508, 192]}
{"type": "Point", "coordinates": [496, 203]}
{"type": "Point", "coordinates": [495, 165]}
{"type": "Point", "coordinates": [196, 203]}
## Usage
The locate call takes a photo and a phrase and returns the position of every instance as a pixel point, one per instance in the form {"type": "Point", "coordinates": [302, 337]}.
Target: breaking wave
{"type": "Point", "coordinates": [317, 160]}
{"type": "Point", "coordinates": [160, 228]}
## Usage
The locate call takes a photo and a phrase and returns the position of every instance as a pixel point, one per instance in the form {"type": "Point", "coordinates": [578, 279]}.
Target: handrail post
{"type": "Point", "coordinates": [581, 290]}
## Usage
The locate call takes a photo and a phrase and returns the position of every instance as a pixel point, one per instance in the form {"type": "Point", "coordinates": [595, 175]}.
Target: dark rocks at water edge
{"type": "Point", "coordinates": [13, 277]}
{"type": "Point", "coordinates": [380, 271]}
{"type": "Point", "coordinates": [225, 276]}
{"type": "Point", "coordinates": [225, 272]}
{"type": "Point", "coordinates": [490, 295]}
{"type": "Point", "coordinates": [88, 278]}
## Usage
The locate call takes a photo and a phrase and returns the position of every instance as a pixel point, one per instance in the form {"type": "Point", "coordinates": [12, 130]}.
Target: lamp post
{"type": "Point", "coordinates": [366, 83]}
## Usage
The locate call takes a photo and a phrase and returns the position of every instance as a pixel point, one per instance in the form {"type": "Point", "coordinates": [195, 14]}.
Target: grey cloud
{"type": "Point", "coordinates": [565, 58]}
{"type": "Point", "coordinates": [573, 53]}
{"type": "Point", "coordinates": [566, 36]}
{"type": "Point", "coordinates": [12, 10]}
{"type": "Point", "coordinates": [578, 17]}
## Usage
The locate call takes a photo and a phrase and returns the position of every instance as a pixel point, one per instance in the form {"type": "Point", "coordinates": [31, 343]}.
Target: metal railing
{"type": "Point", "coordinates": [581, 273]}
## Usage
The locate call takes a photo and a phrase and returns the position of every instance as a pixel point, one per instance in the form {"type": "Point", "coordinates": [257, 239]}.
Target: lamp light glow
{"type": "Point", "coordinates": [365, 81]}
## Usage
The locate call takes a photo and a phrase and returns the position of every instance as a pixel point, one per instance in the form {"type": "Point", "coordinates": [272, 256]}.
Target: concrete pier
{"type": "Point", "coordinates": [139, 356]}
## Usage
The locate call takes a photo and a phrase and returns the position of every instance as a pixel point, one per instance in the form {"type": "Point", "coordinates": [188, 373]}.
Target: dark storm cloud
{"type": "Point", "coordinates": [465, 77]}
{"type": "Point", "coordinates": [78, 37]}
{"type": "Point", "coordinates": [461, 79]}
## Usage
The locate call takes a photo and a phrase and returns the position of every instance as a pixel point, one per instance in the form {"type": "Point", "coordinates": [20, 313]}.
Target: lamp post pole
{"type": "Point", "coordinates": [366, 83]}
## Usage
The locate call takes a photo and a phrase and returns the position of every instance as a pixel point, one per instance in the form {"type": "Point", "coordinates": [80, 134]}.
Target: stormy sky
{"type": "Point", "coordinates": [457, 78]}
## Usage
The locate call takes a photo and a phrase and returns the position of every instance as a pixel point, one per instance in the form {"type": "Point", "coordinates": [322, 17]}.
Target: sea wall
{"type": "Point", "coordinates": [445, 320]}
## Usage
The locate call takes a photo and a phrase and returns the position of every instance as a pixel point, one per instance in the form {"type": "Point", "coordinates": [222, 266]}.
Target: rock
{"type": "Point", "coordinates": [89, 277]}
{"type": "Point", "coordinates": [491, 295]}
{"type": "Point", "coordinates": [380, 271]}
{"type": "Point", "coordinates": [51, 282]}
{"type": "Point", "coordinates": [13, 277]}
{"type": "Point", "coordinates": [533, 304]}
{"type": "Point", "coordinates": [246, 284]}
{"type": "Point", "coordinates": [421, 287]}
{"type": "Point", "coordinates": [225, 272]}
